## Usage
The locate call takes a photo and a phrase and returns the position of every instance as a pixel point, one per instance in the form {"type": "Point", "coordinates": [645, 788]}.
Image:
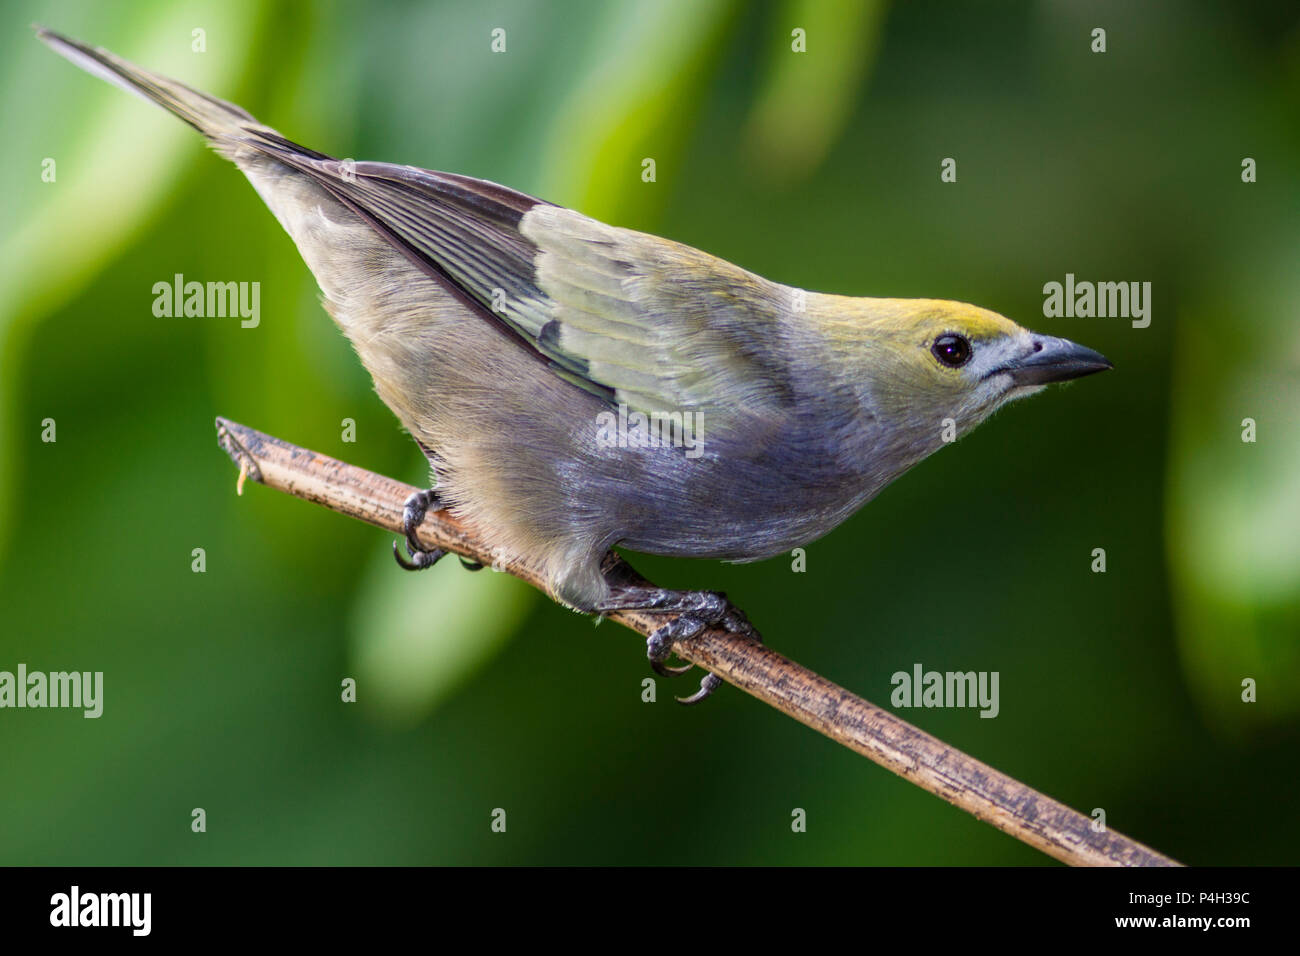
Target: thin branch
{"type": "Point", "coordinates": [827, 708]}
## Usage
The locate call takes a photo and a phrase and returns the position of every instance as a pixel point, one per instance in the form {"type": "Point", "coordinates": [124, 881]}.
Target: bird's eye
{"type": "Point", "coordinates": [952, 350]}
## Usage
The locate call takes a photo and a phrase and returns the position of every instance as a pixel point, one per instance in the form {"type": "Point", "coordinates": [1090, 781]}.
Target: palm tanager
{"type": "Point", "coordinates": [577, 386]}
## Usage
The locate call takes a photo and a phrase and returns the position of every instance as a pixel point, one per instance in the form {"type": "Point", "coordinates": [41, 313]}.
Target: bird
{"type": "Point", "coordinates": [577, 386]}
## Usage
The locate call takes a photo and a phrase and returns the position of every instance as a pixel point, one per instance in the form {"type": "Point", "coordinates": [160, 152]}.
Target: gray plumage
{"type": "Point", "coordinates": [499, 329]}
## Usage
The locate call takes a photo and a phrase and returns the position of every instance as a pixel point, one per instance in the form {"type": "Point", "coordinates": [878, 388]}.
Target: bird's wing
{"type": "Point", "coordinates": [634, 318]}
{"type": "Point", "coordinates": [651, 323]}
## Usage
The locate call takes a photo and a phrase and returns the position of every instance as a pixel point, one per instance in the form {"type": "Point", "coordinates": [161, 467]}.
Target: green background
{"type": "Point", "coordinates": [1119, 690]}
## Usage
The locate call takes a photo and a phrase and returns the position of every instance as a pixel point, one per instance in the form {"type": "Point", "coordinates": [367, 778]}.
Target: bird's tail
{"type": "Point", "coordinates": [216, 119]}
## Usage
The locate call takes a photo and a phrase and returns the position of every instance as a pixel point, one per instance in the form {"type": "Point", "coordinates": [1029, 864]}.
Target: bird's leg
{"type": "Point", "coordinates": [413, 512]}
{"type": "Point", "coordinates": [416, 507]}
{"type": "Point", "coordinates": [695, 610]}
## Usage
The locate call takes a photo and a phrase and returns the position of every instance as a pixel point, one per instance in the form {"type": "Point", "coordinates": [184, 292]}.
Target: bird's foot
{"type": "Point", "coordinates": [417, 506]}
{"type": "Point", "coordinates": [696, 611]}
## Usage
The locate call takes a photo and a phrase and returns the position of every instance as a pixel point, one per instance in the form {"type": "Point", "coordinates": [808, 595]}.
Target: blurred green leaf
{"type": "Point", "coordinates": [808, 94]}
{"type": "Point", "coordinates": [59, 233]}
{"type": "Point", "coordinates": [1234, 504]}
{"type": "Point", "coordinates": [418, 636]}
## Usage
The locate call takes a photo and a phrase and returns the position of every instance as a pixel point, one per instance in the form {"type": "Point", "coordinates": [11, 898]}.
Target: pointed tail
{"type": "Point", "coordinates": [214, 118]}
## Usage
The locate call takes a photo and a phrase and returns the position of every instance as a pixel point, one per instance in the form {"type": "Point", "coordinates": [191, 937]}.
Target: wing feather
{"type": "Point", "coordinates": [643, 320]}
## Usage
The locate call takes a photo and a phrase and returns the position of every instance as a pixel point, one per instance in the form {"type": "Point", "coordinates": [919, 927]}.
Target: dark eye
{"type": "Point", "coordinates": [952, 350]}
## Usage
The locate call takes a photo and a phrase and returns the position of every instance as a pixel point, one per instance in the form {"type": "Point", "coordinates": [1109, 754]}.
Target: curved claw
{"type": "Point", "coordinates": [419, 559]}
{"type": "Point", "coordinates": [401, 561]}
{"type": "Point", "coordinates": [469, 565]}
{"type": "Point", "coordinates": [664, 670]}
{"type": "Point", "coordinates": [412, 546]}
{"type": "Point", "coordinates": [708, 684]}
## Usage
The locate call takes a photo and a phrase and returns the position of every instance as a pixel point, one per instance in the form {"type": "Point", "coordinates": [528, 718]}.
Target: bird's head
{"type": "Point", "coordinates": [932, 370]}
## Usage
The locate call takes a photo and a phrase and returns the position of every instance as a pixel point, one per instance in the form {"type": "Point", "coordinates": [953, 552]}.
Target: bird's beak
{"type": "Point", "coordinates": [1055, 360]}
